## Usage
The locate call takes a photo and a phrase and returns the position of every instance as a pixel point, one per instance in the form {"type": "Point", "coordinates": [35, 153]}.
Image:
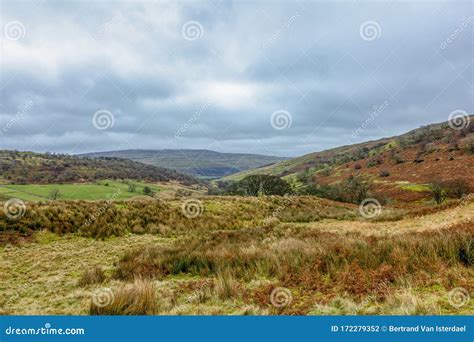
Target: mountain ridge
{"type": "Point", "coordinates": [196, 162]}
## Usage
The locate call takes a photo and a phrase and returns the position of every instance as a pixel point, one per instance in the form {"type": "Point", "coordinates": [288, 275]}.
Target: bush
{"type": "Point", "coordinates": [457, 188]}
{"type": "Point", "coordinates": [352, 190]}
{"type": "Point", "coordinates": [327, 171]}
{"type": "Point", "coordinates": [398, 160]}
{"type": "Point", "coordinates": [384, 173]}
{"type": "Point", "coordinates": [438, 192]}
{"type": "Point", "coordinates": [54, 194]}
{"type": "Point", "coordinates": [92, 276]}
{"type": "Point", "coordinates": [147, 191]}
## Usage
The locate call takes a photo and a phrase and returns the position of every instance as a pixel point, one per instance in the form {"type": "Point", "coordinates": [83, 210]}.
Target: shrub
{"type": "Point", "coordinates": [327, 171]}
{"type": "Point", "coordinates": [471, 147]}
{"type": "Point", "coordinates": [398, 160]}
{"type": "Point", "coordinates": [384, 173]}
{"type": "Point", "coordinates": [92, 276]}
{"type": "Point", "coordinates": [147, 191]}
{"type": "Point", "coordinates": [137, 299]}
{"type": "Point", "coordinates": [438, 192]}
{"type": "Point", "coordinates": [54, 194]}
{"type": "Point", "coordinates": [357, 188]}
{"type": "Point", "coordinates": [457, 188]}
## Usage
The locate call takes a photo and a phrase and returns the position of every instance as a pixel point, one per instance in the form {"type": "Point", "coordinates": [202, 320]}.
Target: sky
{"type": "Point", "coordinates": [280, 78]}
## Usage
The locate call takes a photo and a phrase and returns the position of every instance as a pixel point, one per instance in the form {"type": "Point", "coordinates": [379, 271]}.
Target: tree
{"type": "Point", "coordinates": [255, 185]}
{"type": "Point", "coordinates": [147, 191]}
{"type": "Point", "coordinates": [357, 188]}
{"type": "Point", "coordinates": [54, 194]}
{"type": "Point", "coordinates": [438, 192]}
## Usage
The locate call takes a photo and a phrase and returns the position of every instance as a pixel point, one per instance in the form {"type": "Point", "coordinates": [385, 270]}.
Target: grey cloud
{"type": "Point", "coordinates": [304, 57]}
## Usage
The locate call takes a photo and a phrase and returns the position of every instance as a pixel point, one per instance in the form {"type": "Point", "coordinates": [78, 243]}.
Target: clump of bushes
{"type": "Point", "coordinates": [457, 188]}
{"type": "Point", "coordinates": [354, 189]}
{"type": "Point", "coordinates": [384, 173]}
{"type": "Point", "coordinates": [255, 185]}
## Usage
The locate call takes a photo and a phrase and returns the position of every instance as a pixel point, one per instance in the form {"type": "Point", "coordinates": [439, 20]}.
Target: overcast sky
{"type": "Point", "coordinates": [284, 78]}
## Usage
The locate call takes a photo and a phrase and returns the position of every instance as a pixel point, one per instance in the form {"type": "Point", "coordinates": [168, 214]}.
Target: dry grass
{"type": "Point", "coordinates": [93, 275]}
{"type": "Point", "coordinates": [102, 219]}
{"type": "Point", "coordinates": [312, 260]}
{"type": "Point", "coordinates": [135, 299]}
{"type": "Point", "coordinates": [333, 266]}
{"type": "Point", "coordinates": [227, 286]}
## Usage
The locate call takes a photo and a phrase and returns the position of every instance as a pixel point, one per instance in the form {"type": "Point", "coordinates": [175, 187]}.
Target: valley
{"type": "Point", "coordinates": [379, 228]}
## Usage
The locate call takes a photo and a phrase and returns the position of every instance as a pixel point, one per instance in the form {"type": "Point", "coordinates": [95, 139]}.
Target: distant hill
{"type": "Point", "coordinates": [29, 167]}
{"type": "Point", "coordinates": [430, 153]}
{"type": "Point", "coordinates": [201, 163]}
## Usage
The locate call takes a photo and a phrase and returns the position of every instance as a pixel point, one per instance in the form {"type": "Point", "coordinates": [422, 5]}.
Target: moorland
{"type": "Point", "coordinates": [383, 227]}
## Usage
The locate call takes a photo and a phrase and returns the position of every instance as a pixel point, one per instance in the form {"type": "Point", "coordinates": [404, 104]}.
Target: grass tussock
{"type": "Point", "coordinates": [91, 276]}
{"type": "Point", "coordinates": [227, 286]}
{"type": "Point", "coordinates": [136, 299]}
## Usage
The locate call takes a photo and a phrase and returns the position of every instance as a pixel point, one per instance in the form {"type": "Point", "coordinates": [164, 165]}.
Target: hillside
{"type": "Point", "coordinates": [200, 163]}
{"type": "Point", "coordinates": [229, 259]}
{"type": "Point", "coordinates": [400, 166]}
{"type": "Point", "coordinates": [29, 167]}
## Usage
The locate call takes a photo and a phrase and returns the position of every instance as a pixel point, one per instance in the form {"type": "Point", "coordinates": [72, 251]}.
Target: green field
{"type": "Point", "coordinates": [102, 190]}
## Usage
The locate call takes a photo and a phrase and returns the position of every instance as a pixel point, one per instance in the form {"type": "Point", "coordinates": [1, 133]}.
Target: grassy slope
{"type": "Point", "coordinates": [81, 191]}
{"type": "Point", "coordinates": [196, 162]}
{"type": "Point", "coordinates": [432, 144]}
{"type": "Point", "coordinates": [36, 168]}
{"type": "Point", "coordinates": [41, 277]}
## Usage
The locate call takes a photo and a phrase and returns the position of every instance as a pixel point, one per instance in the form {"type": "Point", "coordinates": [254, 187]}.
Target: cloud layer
{"type": "Point", "coordinates": [212, 74]}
